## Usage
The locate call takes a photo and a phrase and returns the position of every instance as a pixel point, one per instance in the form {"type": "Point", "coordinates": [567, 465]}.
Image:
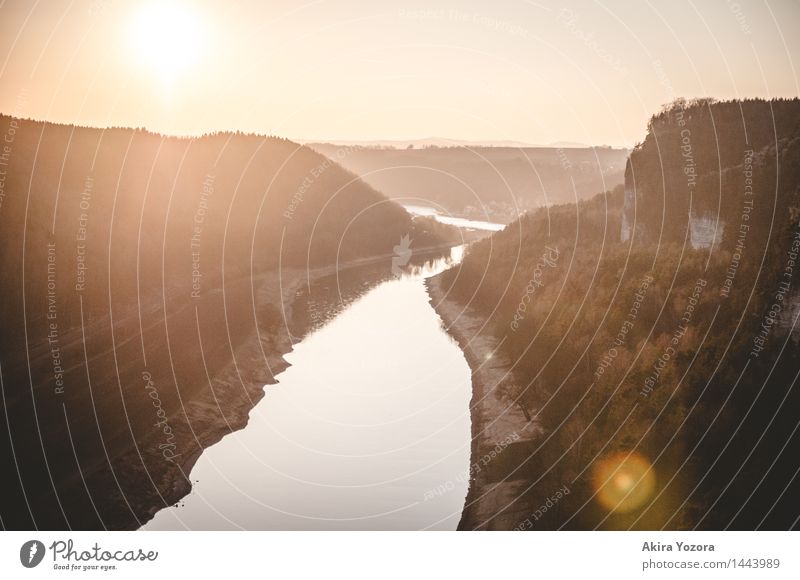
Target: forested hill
{"type": "Point", "coordinates": [117, 202]}
{"type": "Point", "coordinates": [148, 284]}
{"type": "Point", "coordinates": [679, 355]}
{"type": "Point", "coordinates": [686, 178]}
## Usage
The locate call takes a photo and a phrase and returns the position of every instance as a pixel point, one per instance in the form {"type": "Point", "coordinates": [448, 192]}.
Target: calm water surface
{"type": "Point", "coordinates": [368, 429]}
{"type": "Point", "coordinates": [452, 220]}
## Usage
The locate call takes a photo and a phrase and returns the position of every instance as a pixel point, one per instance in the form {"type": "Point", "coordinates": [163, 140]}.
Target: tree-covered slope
{"type": "Point", "coordinates": [651, 351]}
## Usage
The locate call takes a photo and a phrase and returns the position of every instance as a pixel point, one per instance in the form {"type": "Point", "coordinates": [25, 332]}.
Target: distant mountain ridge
{"type": "Point", "coordinates": [484, 183]}
{"type": "Point", "coordinates": [446, 142]}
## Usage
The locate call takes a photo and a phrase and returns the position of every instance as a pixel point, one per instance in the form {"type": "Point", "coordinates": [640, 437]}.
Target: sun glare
{"type": "Point", "coordinates": [624, 482]}
{"type": "Point", "coordinates": [166, 39]}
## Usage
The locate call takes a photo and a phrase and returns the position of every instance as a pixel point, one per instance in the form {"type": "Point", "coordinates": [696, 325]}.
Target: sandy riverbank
{"type": "Point", "coordinates": [220, 406]}
{"type": "Point", "coordinates": [497, 424]}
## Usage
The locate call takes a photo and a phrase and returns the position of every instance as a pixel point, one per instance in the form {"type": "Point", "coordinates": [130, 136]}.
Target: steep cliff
{"type": "Point", "coordinates": [686, 179]}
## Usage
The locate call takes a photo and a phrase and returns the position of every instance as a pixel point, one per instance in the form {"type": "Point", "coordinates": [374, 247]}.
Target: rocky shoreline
{"type": "Point", "coordinates": [494, 500]}
{"type": "Point", "coordinates": [204, 420]}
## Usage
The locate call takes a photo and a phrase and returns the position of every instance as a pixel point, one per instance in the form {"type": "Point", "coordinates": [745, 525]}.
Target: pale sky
{"type": "Point", "coordinates": [536, 72]}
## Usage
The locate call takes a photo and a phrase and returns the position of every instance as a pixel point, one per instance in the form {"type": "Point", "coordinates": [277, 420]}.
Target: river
{"type": "Point", "coordinates": [369, 428]}
{"type": "Point", "coordinates": [469, 224]}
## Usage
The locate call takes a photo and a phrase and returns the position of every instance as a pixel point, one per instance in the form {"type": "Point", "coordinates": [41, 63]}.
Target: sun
{"type": "Point", "coordinates": [166, 38]}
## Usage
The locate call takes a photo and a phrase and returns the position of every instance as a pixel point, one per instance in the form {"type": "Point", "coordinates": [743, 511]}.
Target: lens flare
{"type": "Point", "coordinates": [623, 481]}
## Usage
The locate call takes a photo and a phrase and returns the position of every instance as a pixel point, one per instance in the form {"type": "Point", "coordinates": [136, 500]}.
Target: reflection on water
{"type": "Point", "coordinates": [328, 296]}
{"type": "Point", "coordinates": [368, 429]}
{"type": "Point", "coordinates": [436, 265]}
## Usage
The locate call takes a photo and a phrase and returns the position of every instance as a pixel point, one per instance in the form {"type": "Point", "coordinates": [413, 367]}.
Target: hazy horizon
{"type": "Point", "coordinates": [353, 71]}
{"type": "Point", "coordinates": [399, 142]}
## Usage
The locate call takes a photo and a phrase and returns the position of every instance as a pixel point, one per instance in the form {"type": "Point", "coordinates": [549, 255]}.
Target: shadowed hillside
{"type": "Point", "coordinates": [630, 330]}
{"type": "Point", "coordinates": [147, 287]}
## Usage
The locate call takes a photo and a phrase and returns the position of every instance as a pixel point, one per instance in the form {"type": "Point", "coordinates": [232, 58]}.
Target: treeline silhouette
{"type": "Point", "coordinates": [693, 154]}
